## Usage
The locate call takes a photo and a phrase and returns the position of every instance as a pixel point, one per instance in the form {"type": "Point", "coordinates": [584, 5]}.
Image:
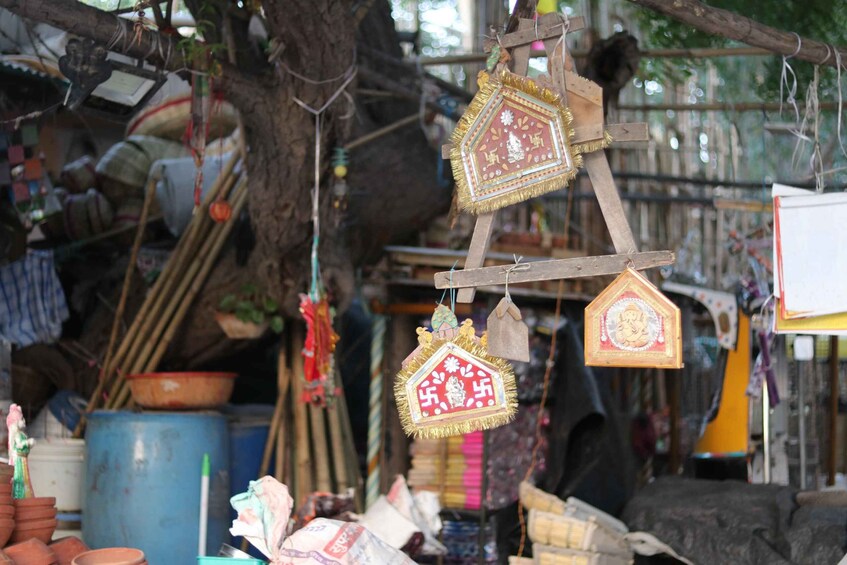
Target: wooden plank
{"type": "Point", "coordinates": [622, 133]}
{"type": "Point", "coordinates": [480, 241]}
{"type": "Point", "coordinates": [555, 269]}
{"type": "Point", "coordinates": [520, 53]}
{"type": "Point", "coordinates": [610, 202]}
{"type": "Point", "coordinates": [584, 88]}
{"type": "Point", "coordinates": [526, 36]}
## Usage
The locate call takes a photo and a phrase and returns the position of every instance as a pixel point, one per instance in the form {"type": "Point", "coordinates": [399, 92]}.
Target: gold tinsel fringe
{"type": "Point", "coordinates": [528, 86]}
{"type": "Point", "coordinates": [447, 429]}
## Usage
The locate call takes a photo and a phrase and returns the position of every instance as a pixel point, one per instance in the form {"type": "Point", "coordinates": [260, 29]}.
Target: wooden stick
{"type": "Point", "coordinates": [161, 288]}
{"type": "Point", "coordinates": [119, 312]}
{"type": "Point", "coordinates": [302, 468]}
{"type": "Point", "coordinates": [721, 107]}
{"type": "Point", "coordinates": [834, 371]}
{"type": "Point", "coordinates": [320, 455]}
{"type": "Point", "coordinates": [553, 269]}
{"type": "Point", "coordinates": [480, 242]}
{"type": "Point", "coordinates": [376, 134]}
{"type": "Point", "coordinates": [208, 256]}
{"type": "Point", "coordinates": [276, 421]}
{"type": "Point", "coordinates": [610, 202]}
{"type": "Point", "coordinates": [342, 424]}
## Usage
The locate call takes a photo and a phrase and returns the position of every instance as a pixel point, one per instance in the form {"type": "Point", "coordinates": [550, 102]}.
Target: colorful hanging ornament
{"type": "Point", "coordinates": [19, 447]}
{"type": "Point", "coordinates": [220, 211]}
{"type": "Point", "coordinates": [318, 348]}
{"type": "Point", "coordinates": [451, 385]}
{"type": "Point", "coordinates": [340, 190]}
{"type": "Point", "coordinates": [513, 143]}
{"type": "Point", "coordinates": [201, 117]}
{"type": "Point", "coordinates": [632, 324]}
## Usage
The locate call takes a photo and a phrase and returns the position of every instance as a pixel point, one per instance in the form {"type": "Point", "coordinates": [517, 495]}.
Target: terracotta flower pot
{"type": "Point", "coordinates": [31, 552]}
{"type": "Point", "coordinates": [111, 556]}
{"type": "Point", "coordinates": [29, 513]}
{"type": "Point", "coordinates": [38, 529]}
{"type": "Point", "coordinates": [7, 525]}
{"type": "Point", "coordinates": [35, 501]}
{"type": "Point", "coordinates": [5, 488]}
{"type": "Point", "coordinates": [7, 510]}
{"type": "Point", "coordinates": [5, 558]}
{"type": "Point", "coordinates": [66, 549]}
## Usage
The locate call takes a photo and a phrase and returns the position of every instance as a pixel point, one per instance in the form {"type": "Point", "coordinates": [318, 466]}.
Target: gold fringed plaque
{"type": "Point", "coordinates": [513, 143]}
{"type": "Point", "coordinates": [632, 324]}
{"type": "Point", "coordinates": [450, 385]}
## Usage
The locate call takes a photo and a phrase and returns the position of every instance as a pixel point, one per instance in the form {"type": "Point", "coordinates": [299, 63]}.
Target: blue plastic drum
{"type": "Point", "coordinates": [143, 483]}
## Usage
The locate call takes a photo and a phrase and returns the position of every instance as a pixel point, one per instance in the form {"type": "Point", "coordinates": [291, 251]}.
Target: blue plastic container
{"type": "Point", "coordinates": [143, 483]}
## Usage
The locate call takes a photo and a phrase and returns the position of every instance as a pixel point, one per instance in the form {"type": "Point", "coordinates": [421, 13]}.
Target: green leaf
{"type": "Point", "coordinates": [270, 305]}
{"type": "Point", "coordinates": [245, 305]}
{"type": "Point", "coordinates": [257, 316]}
{"type": "Point", "coordinates": [244, 315]}
{"type": "Point", "coordinates": [228, 303]}
{"type": "Point", "coordinates": [249, 289]}
{"type": "Point", "coordinates": [277, 324]}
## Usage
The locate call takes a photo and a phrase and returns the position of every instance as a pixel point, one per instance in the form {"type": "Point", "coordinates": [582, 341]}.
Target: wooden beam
{"type": "Point", "coordinates": [682, 53]}
{"type": "Point", "coordinates": [480, 242]}
{"type": "Point", "coordinates": [553, 269]}
{"type": "Point", "coordinates": [722, 107]}
{"type": "Point", "coordinates": [610, 202]}
{"type": "Point", "coordinates": [740, 28]}
{"type": "Point", "coordinates": [542, 32]}
{"type": "Point", "coordinates": [834, 372]}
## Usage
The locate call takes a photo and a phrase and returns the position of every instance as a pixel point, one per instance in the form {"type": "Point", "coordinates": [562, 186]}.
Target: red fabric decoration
{"type": "Point", "coordinates": [318, 348]}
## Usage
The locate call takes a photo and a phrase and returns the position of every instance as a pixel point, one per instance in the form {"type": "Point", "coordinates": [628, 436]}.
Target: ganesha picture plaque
{"type": "Point", "coordinates": [632, 324]}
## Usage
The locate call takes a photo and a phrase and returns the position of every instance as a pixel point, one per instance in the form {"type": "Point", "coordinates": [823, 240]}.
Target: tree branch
{"type": "Point", "coordinates": [85, 21]}
{"type": "Point", "coordinates": [734, 26]}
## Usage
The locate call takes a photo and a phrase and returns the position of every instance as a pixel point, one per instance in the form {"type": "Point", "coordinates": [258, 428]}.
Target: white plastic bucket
{"type": "Point", "coordinates": [57, 468]}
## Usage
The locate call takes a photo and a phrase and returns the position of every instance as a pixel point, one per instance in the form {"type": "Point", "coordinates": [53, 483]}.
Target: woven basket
{"type": "Point", "coordinates": [571, 533]}
{"type": "Point", "coordinates": [122, 172]}
{"type": "Point", "coordinates": [547, 555]}
{"type": "Point", "coordinates": [236, 329]}
{"type": "Point", "coordinates": [170, 119]}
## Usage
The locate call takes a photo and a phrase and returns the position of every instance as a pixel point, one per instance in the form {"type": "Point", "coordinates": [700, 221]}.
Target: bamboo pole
{"type": "Point", "coordinates": [302, 468]}
{"type": "Point", "coordinates": [720, 107]}
{"type": "Point", "coordinates": [119, 311]}
{"type": "Point", "coordinates": [320, 455]}
{"type": "Point", "coordinates": [142, 320]}
{"type": "Point", "coordinates": [205, 260]}
{"type": "Point", "coordinates": [276, 420]}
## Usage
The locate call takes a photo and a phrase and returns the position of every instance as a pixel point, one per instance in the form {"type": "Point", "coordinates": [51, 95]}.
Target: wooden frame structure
{"type": "Point", "coordinates": [585, 100]}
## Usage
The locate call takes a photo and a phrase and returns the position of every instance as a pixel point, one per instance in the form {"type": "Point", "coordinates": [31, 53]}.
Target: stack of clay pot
{"type": "Point", "coordinates": [30, 552]}
{"type": "Point", "coordinates": [111, 556]}
{"type": "Point", "coordinates": [34, 518]}
{"type": "Point", "coordinates": [7, 507]}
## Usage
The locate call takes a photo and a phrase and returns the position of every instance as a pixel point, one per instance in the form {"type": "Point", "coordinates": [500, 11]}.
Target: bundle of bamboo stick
{"type": "Point", "coordinates": [312, 445]}
{"type": "Point", "coordinates": [167, 303]}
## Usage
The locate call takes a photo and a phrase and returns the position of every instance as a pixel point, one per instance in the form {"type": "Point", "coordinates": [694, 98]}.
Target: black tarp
{"type": "Point", "coordinates": [716, 522]}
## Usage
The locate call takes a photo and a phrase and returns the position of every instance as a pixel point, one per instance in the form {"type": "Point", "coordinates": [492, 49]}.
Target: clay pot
{"type": "Point", "coordinates": [38, 529]}
{"type": "Point", "coordinates": [66, 549]}
{"type": "Point", "coordinates": [7, 501]}
{"type": "Point", "coordinates": [29, 513]}
{"type": "Point", "coordinates": [7, 511]}
{"type": "Point", "coordinates": [6, 488]}
{"type": "Point", "coordinates": [111, 556]}
{"type": "Point", "coordinates": [35, 501]}
{"type": "Point", "coordinates": [7, 526]}
{"type": "Point", "coordinates": [5, 559]}
{"type": "Point", "coordinates": [31, 552]}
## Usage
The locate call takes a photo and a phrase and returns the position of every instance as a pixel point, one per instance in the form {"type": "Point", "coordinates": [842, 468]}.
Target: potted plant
{"type": "Point", "coordinates": [248, 314]}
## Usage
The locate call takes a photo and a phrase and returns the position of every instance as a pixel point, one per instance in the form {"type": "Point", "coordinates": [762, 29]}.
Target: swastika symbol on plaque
{"type": "Point", "coordinates": [482, 388]}
{"type": "Point", "coordinates": [428, 396]}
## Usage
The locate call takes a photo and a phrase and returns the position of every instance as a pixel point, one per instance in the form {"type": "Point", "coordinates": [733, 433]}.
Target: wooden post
{"type": "Point", "coordinates": [674, 456]}
{"type": "Point", "coordinates": [833, 409]}
{"type": "Point", "coordinates": [302, 461]}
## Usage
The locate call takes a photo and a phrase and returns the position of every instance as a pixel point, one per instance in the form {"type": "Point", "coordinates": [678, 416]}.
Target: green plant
{"type": "Point", "coordinates": [252, 306]}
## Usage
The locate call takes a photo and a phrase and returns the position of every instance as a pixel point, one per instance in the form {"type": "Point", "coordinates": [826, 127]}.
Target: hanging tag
{"type": "Point", "coordinates": [508, 335]}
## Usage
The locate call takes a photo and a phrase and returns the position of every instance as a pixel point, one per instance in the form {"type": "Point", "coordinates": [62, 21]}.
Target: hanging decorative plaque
{"type": "Point", "coordinates": [451, 385]}
{"type": "Point", "coordinates": [632, 324]}
{"type": "Point", "coordinates": [513, 143]}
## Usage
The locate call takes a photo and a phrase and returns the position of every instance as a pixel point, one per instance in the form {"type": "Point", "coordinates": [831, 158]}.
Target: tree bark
{"type": "Point", "coordinates": [734, 26]}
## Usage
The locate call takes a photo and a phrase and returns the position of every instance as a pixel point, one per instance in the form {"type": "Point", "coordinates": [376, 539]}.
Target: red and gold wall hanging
{"type": "Point", "coordinates": [513, 143]}
{"type": "Point", "coordinates": [632, 324]}
{"type": "Point", "coordinates": [450, 385]}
